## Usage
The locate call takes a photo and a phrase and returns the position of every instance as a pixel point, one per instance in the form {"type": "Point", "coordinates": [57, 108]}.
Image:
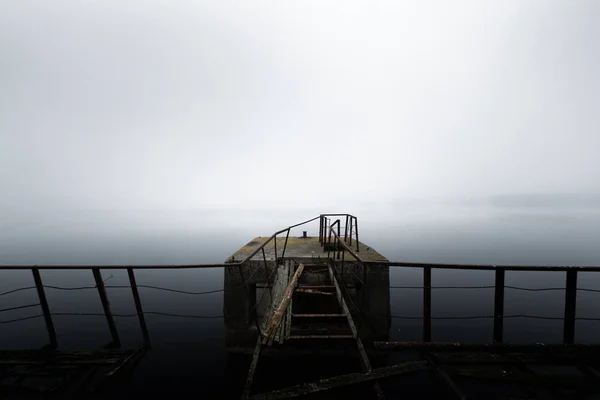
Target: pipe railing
{"type": "Point", "coordinates": [47, 314]}
{"type": "Point", "coordinates": [327, 233]}
{"type": "Point", "coordinates": [571, 289]}
{"type": "Point", "coordinates": [351, 225]}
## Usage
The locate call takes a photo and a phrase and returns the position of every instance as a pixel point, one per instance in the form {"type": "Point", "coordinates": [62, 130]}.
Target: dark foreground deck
{"type": "Point", "coordinates": [46, 374]}
{"type": "Point", "coordinates": [461, 372]}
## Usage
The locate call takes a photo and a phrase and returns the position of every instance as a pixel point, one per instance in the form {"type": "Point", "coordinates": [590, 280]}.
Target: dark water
{"type": "Point", "coordinates": [190, 354]}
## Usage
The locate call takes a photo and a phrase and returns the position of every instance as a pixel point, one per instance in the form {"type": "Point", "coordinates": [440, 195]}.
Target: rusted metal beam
{"type": "Point", "coordinates": [445, 378]}
{"type": "Point", "coordinates": [45, 308]}
{"type": "Point", "coordinates": [132, 358]}
{"type": "Point", "coordinates": [316, 286]}
{"type": "Point", "coordinates": [114, 267]}
{"type": "Point", "coordinates": [252, 370]}
{"type": "Point", "coordinates": [477, 267]}
{"type": "Point", "coordinates": [499, 306]}
{"type": "Point", "coordinates": [319, 315]}
{"type": "Point", "coordinates": [312, 291]}
{"type": "Point", "coordinates": [570, 307]}
{"type": "Point", "coordinates": [490, 346]}
{"type": "Point", "coordinates": [493, 357]}
{"type": "Point", "coordinates": [320, 337]}
{"type": "Point", "coordinates": [546, 381]}
{"type": "Point", "coordinates": [427, 304]}
{"type": "Point", "coordinates": [342, 380]}
{"type": "Point", "coordinates": [106, 306]}
{"type": "Point", "coordinates": [278, 314]}
{"type": "Point", "coordinates": [342, 297]}
{"type": "Point", "coordinates": [138, 307]}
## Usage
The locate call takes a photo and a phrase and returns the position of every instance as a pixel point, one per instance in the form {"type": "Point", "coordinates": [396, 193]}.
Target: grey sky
{"type": "Point", "coordinates": [145, 104]}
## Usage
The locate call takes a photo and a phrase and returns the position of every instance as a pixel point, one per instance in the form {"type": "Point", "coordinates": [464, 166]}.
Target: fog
{"type": "Point", "coordinates": [189, 122]}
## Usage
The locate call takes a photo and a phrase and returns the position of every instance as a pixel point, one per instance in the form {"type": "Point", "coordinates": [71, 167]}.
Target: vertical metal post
{"type": "Point", "coordinates": [338, 240]}
{"type": "Point", "coordinates": [356, 221]}
{"type": "Point", "coordinates": [106, 306]}
{"type": "Point", "coordinates": [285, 244]}
{"type": "Point", "coordinates": [499, 305]}
{"type": "Point", "coordinates": [570, 307]}
{"type": "Point", "coordinates": [427, 304]}
{"type": "Point", "coordinates": [45, 308]}
{"type": "Point", "coordinates": [346, 229]}
{"type": "Point", "coordinates": [275, 245]}
{"type": "Point", "coordinates": [321, 229]}
{"type": "Point", "coordinates": [138, 306]}
{"type": "Point", "coordinates": [328, 244]}
{"type": "Point", "coordinates": [351, 225]}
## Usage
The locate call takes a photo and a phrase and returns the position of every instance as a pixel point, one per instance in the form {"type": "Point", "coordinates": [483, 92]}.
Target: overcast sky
{"type": "Point", "coordinates": [173, 105]}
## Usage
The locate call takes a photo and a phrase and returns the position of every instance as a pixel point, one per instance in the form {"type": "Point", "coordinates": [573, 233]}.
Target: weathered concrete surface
{"type": "Point", "coordinates": [298, 247]}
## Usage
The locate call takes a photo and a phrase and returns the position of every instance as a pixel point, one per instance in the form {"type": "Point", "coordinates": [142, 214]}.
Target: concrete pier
{"type": "Point", "coordinates": [368, 288]}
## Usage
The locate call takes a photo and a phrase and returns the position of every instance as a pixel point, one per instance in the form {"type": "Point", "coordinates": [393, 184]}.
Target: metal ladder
{"type": "Point", "coordinates": [331, 287]}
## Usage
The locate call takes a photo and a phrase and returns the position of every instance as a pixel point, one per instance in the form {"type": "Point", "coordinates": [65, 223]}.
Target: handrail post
{"type": "Point", "coordinates": [338, 240]}
{"type": "Point", "coordinates": [285, 244]}
{"type": "Point", "coordinates": [570, 307]}
{"type": "Point", "coordinates": [357, 248]}
{"type": "Point", "coordinates": [427, 304]}
{"type": "Point", "coordinates": [324, 230]}
{"type": "Point", "coordinates": [346, 229]}
{"type": "Point", "coordinates": [45, 308]}
{"type": "Point", "coordinates": [499, 305]}
{"type": "Point", "coordinates": [275, 245]}
{"type": "Point", "coordinates": [351, 225]}
{"type": "Point", "coordinates": [329, 244]}
{"type": "Point", "coordinates": [138, 306]}
{"type": "Point", "coordinates": [106, 306]}
{"type": "Point", "coordinates": [320, 228]}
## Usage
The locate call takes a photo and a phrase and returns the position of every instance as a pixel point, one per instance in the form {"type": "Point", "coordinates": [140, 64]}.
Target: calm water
{"type": "Point", "coordinates": [190, 353]}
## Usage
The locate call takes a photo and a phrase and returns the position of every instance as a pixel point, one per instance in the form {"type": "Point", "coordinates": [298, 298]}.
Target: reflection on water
{"type": "Point", "coordinates": [190, 353]}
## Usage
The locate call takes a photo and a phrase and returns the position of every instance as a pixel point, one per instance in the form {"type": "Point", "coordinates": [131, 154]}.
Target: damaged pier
{"type": "Point", "coordinates": [296, 301]}
{"type": "Point", "coordinates": [311, 316]}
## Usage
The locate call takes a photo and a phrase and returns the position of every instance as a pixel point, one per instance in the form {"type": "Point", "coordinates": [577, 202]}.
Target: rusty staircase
{"type": "Point", "coordinates": [280, 326]}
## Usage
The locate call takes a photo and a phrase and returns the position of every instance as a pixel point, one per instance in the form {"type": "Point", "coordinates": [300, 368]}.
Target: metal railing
{"type": "Point", "coordinates": [101, 287]}
{"type": "Point", "coordinates": [499, 287]}
{"type": "Point", "coordinates": [350, 228]}
{"type": "Point", "coordinates": [329, 234]}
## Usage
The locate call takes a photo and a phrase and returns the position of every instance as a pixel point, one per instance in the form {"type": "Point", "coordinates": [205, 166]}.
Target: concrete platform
{"type": "Point", "coordinates": [298, 247]}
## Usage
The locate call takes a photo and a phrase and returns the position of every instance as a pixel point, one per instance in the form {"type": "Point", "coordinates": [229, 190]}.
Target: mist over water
{"type": "Point", "coordinates": [427, 233]}
{"type": "Point", "coordinates": [175, 132]}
